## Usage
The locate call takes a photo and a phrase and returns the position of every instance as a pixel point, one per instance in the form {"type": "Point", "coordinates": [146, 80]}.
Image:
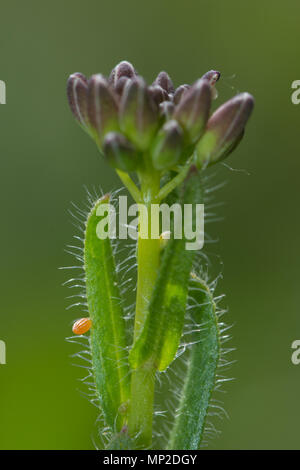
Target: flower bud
{"type": "Point", "coordinates": [123, 69]}
{"type": "Point", "coordinates": [120, 152]}
{"type": "Point", "coordinates": [180, 91]}
{"type": "Point", "coordinates": [212, 76]}
{"type": "Point", "coordinates": [77, 96]}
{"type": "Point", "coordinates": [164, 81]}
{"type": "Point", "coordinates": [225, 129]}
{"type": "Point", "coordinates": [120, 85]}
{"type": "Point", "coordinates": [102, 107]}
{"type": "Point", "coordinates": [158, 94]}
{"type": "Point", "coordinates": [138, 113]}
{"type": "Point", "coordinates": [166, 109]}
{"type": "Point", "coordinates": [167, 146]}
{"type": "Point", "coordinates": [193, 109]}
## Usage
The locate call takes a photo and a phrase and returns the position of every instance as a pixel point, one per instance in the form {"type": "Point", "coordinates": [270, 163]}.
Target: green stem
{"type": "Point", "coordinates": [176, 181]}
{"type": "Point", "coordinates": [130, 185]}
{"type": "Point", "coordinates": [148, 251]}
{"type": "Point", "coordinates": [148, 257]}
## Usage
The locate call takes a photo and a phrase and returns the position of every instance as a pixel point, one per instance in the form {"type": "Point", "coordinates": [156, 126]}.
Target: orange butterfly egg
{"type": "Point", "coordinates": [82, 326]}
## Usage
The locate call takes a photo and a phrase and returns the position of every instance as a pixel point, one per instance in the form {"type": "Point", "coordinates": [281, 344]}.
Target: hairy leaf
{"type": "Point", "coordinates": [108, 342]}
{"type": "Point", "coordinates": [200, 381]}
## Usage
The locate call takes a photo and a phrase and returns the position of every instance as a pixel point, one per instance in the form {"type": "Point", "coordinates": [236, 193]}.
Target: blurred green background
{"type": "Point", "coordinates": [46, 160]}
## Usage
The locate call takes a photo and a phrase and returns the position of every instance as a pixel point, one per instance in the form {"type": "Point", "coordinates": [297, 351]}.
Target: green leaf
{"type": "Point", "coordinates": [121, 441]}
{"type": "Point", "coordinates": [201, 375]}
{"type": "Point", "coordinates": [159, 340]}
{"type": "Point", "coordinates": [108, 339]}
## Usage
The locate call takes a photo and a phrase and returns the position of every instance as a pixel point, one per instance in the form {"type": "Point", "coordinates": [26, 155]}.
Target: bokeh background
{"type": "Point", "coordinates": [46, 160]}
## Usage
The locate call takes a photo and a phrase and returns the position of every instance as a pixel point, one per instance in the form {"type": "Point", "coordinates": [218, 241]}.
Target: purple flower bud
{"type": "Point", "coordinates": [225, 129]}
{"type": "Point", "coordinates": [120, 152]}
{"type": "Point", "coordinates": [166, 109]}
{"type": "Point", "coordinates": [138, 113]}
{"type": "Point", "coordinates": [123, 69]}
{"type": "Point", "coordinates": [165, 82]}
{"type": "Point", "coordinates": [168, 146]}
{"type": "Point", "coordinates": [102, 107]}
{"type": "Point", "coordinates": [120, 85]}
{"type": "Point", "coordinates": [230, 119]}
{"type": "Point", "coordinates": [212, 76]}
{"type": "Point", "coordinates": [193, 109]}
{"type": "Point", "coordinates": [158, 94]}
{"type": "Point", "coordinates": [179, 92]}
{"type": "Point", "coordinates": [77, 96]}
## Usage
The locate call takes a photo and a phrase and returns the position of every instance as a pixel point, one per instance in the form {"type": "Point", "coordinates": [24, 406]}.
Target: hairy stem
{"type": "Point", "coordinates": [148, 258]}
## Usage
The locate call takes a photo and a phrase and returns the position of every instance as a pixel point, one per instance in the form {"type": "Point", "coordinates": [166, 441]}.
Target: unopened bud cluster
{"type": "Point", "coordinates": [136, 125]}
